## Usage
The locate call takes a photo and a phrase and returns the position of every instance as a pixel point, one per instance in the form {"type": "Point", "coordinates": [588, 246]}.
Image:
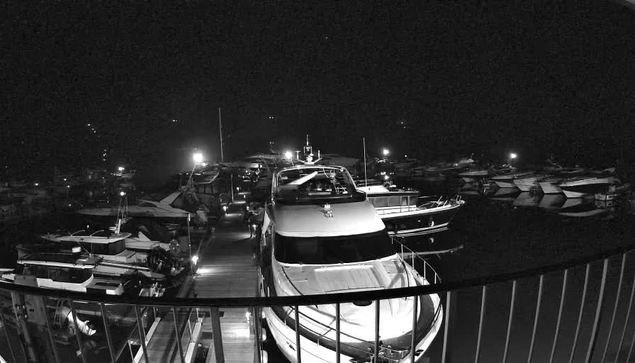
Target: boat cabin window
{"type": "Point", "coordinates": [111, 248]}
{"type": "Point", "coordinates": [60, 274]}
{"type": "Point", "coordinates": [331, 250]}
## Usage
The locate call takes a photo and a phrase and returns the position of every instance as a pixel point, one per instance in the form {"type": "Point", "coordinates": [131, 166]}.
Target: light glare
{"type": "Point", "coordinates": [198, 158]}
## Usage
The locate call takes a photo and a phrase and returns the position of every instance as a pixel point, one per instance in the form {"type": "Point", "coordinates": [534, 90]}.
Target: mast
{"type": "Point", "coordinates": [220, 135]}
{"type": "Point", "coordinates": [365, 172]}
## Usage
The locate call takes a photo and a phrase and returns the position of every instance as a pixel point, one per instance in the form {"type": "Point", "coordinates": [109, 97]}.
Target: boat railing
{"type": "Point", "coordinates": [417, 262]}
{"type": "Point", "coordinates": [575, 310]}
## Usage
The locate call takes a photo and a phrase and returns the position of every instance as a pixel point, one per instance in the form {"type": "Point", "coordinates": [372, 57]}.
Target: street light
{"type": "Point", "coordinates": [385, 152]}
{"type": "Point", "coordinates": [288, 155]}
{"type": "Point", "coordinates": [512, 156]}
{"type": "Point", "coordinates": [198, 158]}
{"type": "Point", "coordinates": [121, 168]}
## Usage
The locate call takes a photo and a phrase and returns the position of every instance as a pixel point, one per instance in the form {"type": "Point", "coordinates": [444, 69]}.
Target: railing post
{"type": "Point", "coordinates": [376, 355]}
{"type": "Point", "coordinates": [533, 333]}
{"type": "Point", "coordinates": [509, 320]}
{"type": "Point", "coordinates": [297, 334]}
{"type": "Point", "coordinates": [448, 300]}
{"type": "Point", "coordinates": [217, 334]}
{"type": "Point", "coordinates": [142, 334]}
{"type": "Point", "coordinates": [104, 319]}
{"type": "Point", "coordinates": [177, 335]}
{"type": "Point", "coordinates": [337, 332]}
{"type": "Point", "coordinates": [560, 309]}
{"type": "Point", "coordinates": [628, 315]}
{"type": "Point", "coordinates": [77, 332]}
{"type": "Point", "coordinates": [577, 328]}
{"type": "Point", "coordinates": [480, 324]}
{"type": "Point", "coordinates": [413, 340]}
{"type": "Point", "coordinates": [598, 313]}
{"type": "Point", "coordinates": [617, 300]}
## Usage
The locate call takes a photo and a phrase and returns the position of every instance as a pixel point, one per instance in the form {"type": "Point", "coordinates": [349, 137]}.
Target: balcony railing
{"type": "Point", "coordinates": [579, 311]}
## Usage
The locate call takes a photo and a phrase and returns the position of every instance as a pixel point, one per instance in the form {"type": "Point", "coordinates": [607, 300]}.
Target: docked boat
{"type": "Point", "coordinates": [177, 205]}
{"type": "Point", "coordinates": [405, 216]}
{"type": "Point", "coordinates": [470, 176]}
{"type": "Point", "coordinates": [612, 193]}
{"type": "Point", "coordinates": [62, 271]}
{"type": "Point", "coordinates": [116, 259]}
{"type": "Point", "coordinates": [550, 185]}
{"type": "Point", "coordinates": [581, 186]}
{"type": "Point", "coordinates": [320, 236]}
{"type": "Point", "coordinates": [528, 182]}
{"type": "Point", "coordinates": [508, 180]}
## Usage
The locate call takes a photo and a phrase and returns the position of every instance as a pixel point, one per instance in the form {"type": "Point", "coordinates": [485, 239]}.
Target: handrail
{"type": "Point", "coordinates": [319, 299]}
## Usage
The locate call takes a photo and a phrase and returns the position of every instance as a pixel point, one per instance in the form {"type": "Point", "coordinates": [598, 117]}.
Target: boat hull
{"type": "Point", "coordinates": [419, 222]}
{"type": "Point", "coordinates": [549, 188]}
{"type": "Point", "coordinates": [505, 183]}
{"type": "Point", "coordinates": [318, 349]}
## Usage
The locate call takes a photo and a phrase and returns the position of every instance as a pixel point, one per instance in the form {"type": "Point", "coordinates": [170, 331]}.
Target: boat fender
{"type": "Point", "coordinates": [431, 222]}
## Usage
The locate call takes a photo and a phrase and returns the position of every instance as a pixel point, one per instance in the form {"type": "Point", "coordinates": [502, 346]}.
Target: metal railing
{"type": "Point", "coordinates": [579, 311]}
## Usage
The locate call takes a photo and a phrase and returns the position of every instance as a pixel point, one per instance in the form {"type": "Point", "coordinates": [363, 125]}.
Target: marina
{"type": "Point", "coordinates": [201, 182]}
{"type": "Point", "coordinates": [494, 231]}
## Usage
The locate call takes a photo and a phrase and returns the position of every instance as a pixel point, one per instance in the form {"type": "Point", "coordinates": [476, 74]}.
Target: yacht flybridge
{"type": "Point", "coordinates": [320, 236]}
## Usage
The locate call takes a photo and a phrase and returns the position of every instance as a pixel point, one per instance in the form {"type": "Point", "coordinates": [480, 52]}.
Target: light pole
{"type": "Point", "coordinates": [512, 156]}
{"type": "Point", "coordinates": [198, 158]}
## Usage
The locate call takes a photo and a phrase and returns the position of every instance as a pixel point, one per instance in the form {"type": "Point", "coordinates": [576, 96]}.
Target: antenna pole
{"type": "Point", "coordinates": [220, 134]}
{"type": "Point", "coordinates": [365, 173]}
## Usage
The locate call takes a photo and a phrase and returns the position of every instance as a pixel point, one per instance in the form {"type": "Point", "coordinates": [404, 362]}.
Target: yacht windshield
{"type": "Point", "coordinates": [311, 184]}
{"type": "Point", "coordinates": [330, 250]}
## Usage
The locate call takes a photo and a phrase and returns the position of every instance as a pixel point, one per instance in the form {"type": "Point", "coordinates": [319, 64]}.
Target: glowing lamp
{"type": "Point", "coordinates": [121, 168]}
{"type": "Point", "coordinates": [197, 157]}
{"type": "Point", "coordinates": [122, 193]}
{"type": "Point", "coordinates": [288, 155]}
{"type": "Point", "coordinates": [195, 259]}
{"type": "Point", "coordinates": [385, 152]}
{"type": "Point", "coordinates": [513, 156]}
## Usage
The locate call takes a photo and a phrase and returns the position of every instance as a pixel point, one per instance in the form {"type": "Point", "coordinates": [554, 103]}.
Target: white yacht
{"type": "Point", "coordinates": [405, 216]}
{"type": "Point", "coordinates": [321, 235]}
{"type": "Point", "coordinates": [508, 180]}
{"type": "Point", "coordinates": [528, 182]}
{"type": "Point", "coordinates": [110, 246]}
{"type": "Point", "coordinates": [581, 186]}
{"type": "Point", "coordinates": [62, 271]}
{"type": "Point", "coordinates": [550, 185]}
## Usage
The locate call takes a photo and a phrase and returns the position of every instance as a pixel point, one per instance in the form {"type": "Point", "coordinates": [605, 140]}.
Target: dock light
{"type": "Point", "coordinates": [513, 156]}
{"type": "Point", "coordinates": [37, 184]}
{"type": "Point", "coordinates": [195, 259]}
{"type": "Point", "coordinates": [121, 168]}
{"type": "Point", "coordinates": [385, 152]}
{"type": "Point", "coordinates": [204, 164]}
{"type": "Point", "coordinates": [224, 208]}
{"type": "Point", "coordinates": [197, 157]}
{"type": "Point", "coordinates": [288, 155]}
{"type": "Point", "coordinates": [122, 193]}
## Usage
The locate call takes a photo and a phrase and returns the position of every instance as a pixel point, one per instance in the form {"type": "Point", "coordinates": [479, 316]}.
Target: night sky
{"type": "Point", "coordinates": [432, 80]}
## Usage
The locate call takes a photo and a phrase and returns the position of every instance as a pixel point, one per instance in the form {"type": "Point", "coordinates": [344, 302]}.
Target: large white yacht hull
{"type": "Point", "coordinates": [311, 352]}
